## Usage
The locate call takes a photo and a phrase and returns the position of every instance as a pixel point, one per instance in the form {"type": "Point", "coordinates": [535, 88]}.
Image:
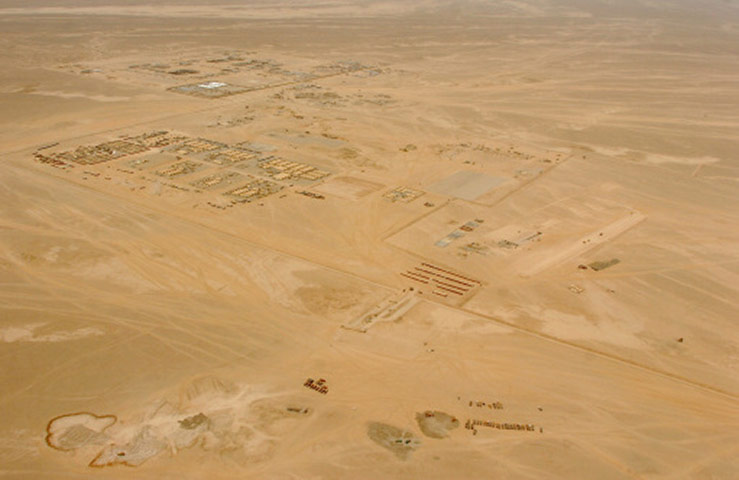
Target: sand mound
{"type": "Point", "coordinates": [145, 445]}
{"type": "Point", "coordinates": [205, 387]}
{"type": "Point", "coordinates": [76, 430]}
{"type": "Point", "coordinates": [401, 442]}
{"type": "Point", "coordinates": [275, 417]}
{"type": "Point", "coordinates": [214, 415]}
{"type": "Point", "coordinates": [323, 300]}
{"type": "Point", "coordinates": [196, 421]}
{"type": "Point", "coordinates": [603, 264]}
{"type": "Point", "coordinates": [436, 424]}
{"type": "Point", "coordinates": [191, 429]}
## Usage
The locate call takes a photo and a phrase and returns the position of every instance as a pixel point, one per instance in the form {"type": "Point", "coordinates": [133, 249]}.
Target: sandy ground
{"type": "Point", "coordinates": [158, 320]}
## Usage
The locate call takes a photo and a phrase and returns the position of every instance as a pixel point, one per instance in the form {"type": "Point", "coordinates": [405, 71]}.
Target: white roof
{"type": "Point", "coordinates": [212, 85]}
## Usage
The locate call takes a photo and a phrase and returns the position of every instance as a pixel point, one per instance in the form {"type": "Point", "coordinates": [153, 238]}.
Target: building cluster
{"type": "Point", "coordinates": [521, 240]}
{"type": "Point", "coordinates": [471, 424]}
{"type": "Point", "coordinates": [403, 194]}
{"type": "Point", "coordinates": [494, 405]}
{"type": "Point", "coordinates": [317, 196]}
{"type": "Point", "coordinates": [319, 385]}
{"type": "Point", "coordinates": [107, 151]}
{"type": "Point", "coordinates": [156, 139]}
{"type": "Point", "coordinates": [281, 169]}
{"type": "Point", "coordinates": [197, 145]}
{"type": "Point", "coordinates": [52, 161]}
{"type": "Point", "coordinates": [342, 66]}
{"type": "Point", "coordinates": [216, 180]}
{"type": "Point", "coordinates": [255, 189]}
{"type": "Point", "coordinates": [443, 281]}
{"type": "Point", "coordinates": [459, 232]}
{"type": "Point", "coordinates": [94, 154]}
{"type": "Point", "coordinates": [210, 89]}
{"type": "Point", "coordinates": [230, 156]}
{"type": "Point", "coordinates": [180, 168]}
{"type": "Point", "coordinates": [173, 156]}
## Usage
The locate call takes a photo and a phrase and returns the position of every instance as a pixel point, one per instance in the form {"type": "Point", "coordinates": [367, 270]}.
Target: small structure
{"type": "Point", "coordinates": [197, 145]}
{"type": "Point", "coordinates": [94, 154]}
{"type": "Point", "coordinates": [281, 169]}
{"type": "Point", "coordinates": [388, 310]}
{"type": "Point", "coordinates": [217, 180]}
{"type": "Point", "coordinates": [493, 405]}
{"type": "Point", "coordinates": [319, 385]}
{"type": "Point", "coordinates": [403, 194]}
{"type": "Point", "coordinates": [317, 196]}
{"type": "Point", "coordinates": [180, 168]}
{"type": "Point", "coordinates": [460, 232]}
{"type": "Point", "coordinates": [230, 156]}
{"type": "Point", "coordinates": [253, 190]}
{"type": "Point", "coordinates": [471, 424]}
{"type": "Point", "coordinates": [212, 89]}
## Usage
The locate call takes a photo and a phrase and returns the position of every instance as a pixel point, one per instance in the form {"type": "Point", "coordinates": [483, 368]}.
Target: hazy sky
{"type": "Point", "coordinates": [722, 11]}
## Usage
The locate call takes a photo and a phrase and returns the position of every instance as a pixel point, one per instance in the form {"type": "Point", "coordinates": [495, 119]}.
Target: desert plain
{"type": "Point", "coordinates": [369, 239]}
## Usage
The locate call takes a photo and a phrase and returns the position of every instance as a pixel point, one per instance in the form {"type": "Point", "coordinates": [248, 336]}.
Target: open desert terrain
{"type": "Point", "coordinates": [366, 239]}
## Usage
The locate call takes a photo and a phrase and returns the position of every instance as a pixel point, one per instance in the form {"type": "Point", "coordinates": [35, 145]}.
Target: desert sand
{"type": "Point", "coordinates": [360, 240]}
